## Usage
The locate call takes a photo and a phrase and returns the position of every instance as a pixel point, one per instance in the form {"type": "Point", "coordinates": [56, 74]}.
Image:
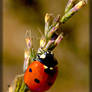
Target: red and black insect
{"type": "Point", "coordinates": [41, 74]}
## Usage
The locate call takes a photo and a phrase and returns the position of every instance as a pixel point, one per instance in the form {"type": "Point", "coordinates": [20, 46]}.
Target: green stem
{"type": "Point", "coordinates": [71, 12]}
{"type": "Point", "coordinates": [23, 87]}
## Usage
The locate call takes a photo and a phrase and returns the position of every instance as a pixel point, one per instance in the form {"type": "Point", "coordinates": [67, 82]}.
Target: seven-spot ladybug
{"type": "Point", "coordinates": [41, 74]}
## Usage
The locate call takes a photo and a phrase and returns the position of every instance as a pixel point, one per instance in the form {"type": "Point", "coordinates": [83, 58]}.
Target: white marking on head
{"type": "Point", "coordinates": [51, 68]}
{"type": "Point", "coordinates": [43, 56]}
{"type": "Point", "coordinates": [45, 66]}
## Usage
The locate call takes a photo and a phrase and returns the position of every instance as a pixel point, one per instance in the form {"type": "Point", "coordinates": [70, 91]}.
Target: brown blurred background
{"type": "Point", "coordinates": [72, 53]}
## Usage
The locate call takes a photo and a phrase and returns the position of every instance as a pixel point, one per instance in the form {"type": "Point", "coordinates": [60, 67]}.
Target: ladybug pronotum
{"type": "Point", "coordinates": [41, 74]}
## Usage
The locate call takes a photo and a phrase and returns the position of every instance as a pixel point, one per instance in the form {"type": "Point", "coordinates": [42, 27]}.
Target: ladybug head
{"type": "Point", "coordinates": [47, 59]}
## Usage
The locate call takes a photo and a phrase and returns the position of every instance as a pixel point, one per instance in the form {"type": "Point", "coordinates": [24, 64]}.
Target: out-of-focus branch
{"type": "Point", "coordinates": [29, 53]}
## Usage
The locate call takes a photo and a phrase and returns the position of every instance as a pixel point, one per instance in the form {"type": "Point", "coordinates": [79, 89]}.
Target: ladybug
{"type": "Point", "coordinates": [41, 73]}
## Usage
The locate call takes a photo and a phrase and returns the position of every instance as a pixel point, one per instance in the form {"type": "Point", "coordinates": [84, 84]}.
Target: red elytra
{"type": "Point", "coordinates": [37, 79]}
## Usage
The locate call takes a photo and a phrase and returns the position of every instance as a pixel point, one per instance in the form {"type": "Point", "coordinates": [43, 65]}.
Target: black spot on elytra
{"type": "Point", "coordinates": [50, 84]}
{"type": "Point", "coordinates": [30, 70]}
{"type": "Point", "coordinates": [36, 80]}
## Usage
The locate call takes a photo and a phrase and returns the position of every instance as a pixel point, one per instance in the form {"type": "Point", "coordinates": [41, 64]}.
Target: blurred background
{"type": "Point", "coordinates": [72, 53]}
